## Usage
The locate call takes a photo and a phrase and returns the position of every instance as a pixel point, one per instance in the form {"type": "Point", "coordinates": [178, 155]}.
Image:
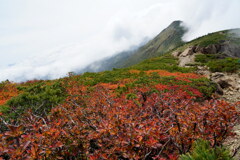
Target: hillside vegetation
{"type": "Point", "coordinates": [151, 110]}
{"type": "Point", "coordinates": [226, 42]}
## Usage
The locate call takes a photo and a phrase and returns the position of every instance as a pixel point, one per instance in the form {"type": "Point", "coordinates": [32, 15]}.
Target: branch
{"type": "Point", "coordinates": [44, 121]}
{"type": "Point", "coordinates": [164, 146]}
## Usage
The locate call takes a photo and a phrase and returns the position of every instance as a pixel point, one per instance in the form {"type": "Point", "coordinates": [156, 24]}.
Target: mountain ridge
{"type": "Point", "coordinates": [166, 40]}
{"type": "Point", "coordinates": [170, 39]}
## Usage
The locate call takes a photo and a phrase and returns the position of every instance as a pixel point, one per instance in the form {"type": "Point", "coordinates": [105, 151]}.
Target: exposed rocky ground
{"type": "Point", "coordinates": [233, 143]}
{"type": "Point", "coordinates": [228, 83]}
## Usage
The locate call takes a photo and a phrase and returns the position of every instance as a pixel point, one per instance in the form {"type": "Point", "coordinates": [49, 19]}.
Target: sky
{"type": "Point", "coordinates": [47, 39]}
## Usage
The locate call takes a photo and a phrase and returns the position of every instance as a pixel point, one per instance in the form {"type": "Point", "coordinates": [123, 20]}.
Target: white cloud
{"type": "Point", "coordinates": [82, 32]}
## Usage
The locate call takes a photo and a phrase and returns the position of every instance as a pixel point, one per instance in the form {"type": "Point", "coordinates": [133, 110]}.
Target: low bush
{"type": "Point", "coordinates": [38, 98]}
{"type": "Point", "coordinates": [145, 123]}
{"type": "Point", "coordinates": [202, 150]}
{"type": "Point", "coordinates": [217, 63]}
{"type": "Point", "coordinates": [224, 65]}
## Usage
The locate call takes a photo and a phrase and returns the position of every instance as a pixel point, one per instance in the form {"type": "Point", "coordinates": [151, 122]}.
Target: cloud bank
{"type": "Point", "coordinates": [127, 27]}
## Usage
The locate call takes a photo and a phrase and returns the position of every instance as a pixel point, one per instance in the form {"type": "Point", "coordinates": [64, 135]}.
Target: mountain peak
{"type": "Point", "coordinates": [168, 39]}
{"type": "Point", "coordinates": [176, 23]}
{"type": "Point", "coordinates": [175, 26]}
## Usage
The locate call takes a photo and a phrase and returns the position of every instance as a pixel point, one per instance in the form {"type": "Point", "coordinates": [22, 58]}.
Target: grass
{"type": "Point", "coordinates": [38, 97]}
{"type": "Point", "coordinates": [166, 62]}
{"type": "Point", "coordinates": [217, 63]}
{"type": "Point", "coordinates": [230, 65]}
{"type": "Point", "coordinates": [203, 41]}
{"type": "Point", "coordinates": [212, 38]}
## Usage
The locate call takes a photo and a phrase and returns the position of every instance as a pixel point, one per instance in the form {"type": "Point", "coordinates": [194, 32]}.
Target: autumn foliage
{"type": "Point", "coordinates": [7, 91]}
{"type": "Point", "coordinates": [120, 121]}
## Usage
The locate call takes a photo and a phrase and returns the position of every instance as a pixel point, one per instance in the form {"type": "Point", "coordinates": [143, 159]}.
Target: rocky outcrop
{"type": "Point", "coordinates": [224, 80]}
{"type": "Point", "coordinates": [176, 53]}
{"type": "Point", "coordinates": [225, 48]}
{"type": "Point", "coordinates": [230, 49]}
{"type": "Point", "coordinates": [185, 57]}
{"type": "Point", "coordinates": [203, 70]}
{"type": "Point", "coordinates": [188, 55]}
{"type": "Point", "coordinates": [187, 52]}
{"type": "Point", "coordinates": [211, 49]}
{"type": "Point", "coordinates": [228, 83]}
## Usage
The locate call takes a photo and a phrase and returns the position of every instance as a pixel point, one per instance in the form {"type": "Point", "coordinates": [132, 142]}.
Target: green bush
{"type": "Point", "coordinates": [217, 62]}
{"type": "Point", "coordinates": [165, 62]}
{"type": "Point", "coordinates": [205, 86]}
{"type": "Point", "coordinates": [204, 58]}
{"type": "Point", "coordinates": [131, 96]}
{"type": "Point", "coordinates": [224, 65]}
{"type": "Point", "coordinates": [203, 151]}
{"type": "Point", "coordinates": [39, 98]}
{"type": "Point", "coordinates": [211, 38]}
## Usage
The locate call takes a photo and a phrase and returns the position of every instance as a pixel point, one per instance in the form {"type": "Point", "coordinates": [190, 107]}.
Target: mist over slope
{"type": "Point", "coordinates": [81, 36]}
{"type": "Point", "coordinates": [226, 42]}
{"type": "Point", "coordinates": [166, 40]}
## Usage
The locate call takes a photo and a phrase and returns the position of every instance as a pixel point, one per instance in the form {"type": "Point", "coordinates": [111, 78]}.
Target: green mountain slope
{"type": "Point", "coordinates": [225, 42]}
{"type": "Point", "coordinates": [168, 39]}
{"type": "Point", "coordinates": [218, 51]}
